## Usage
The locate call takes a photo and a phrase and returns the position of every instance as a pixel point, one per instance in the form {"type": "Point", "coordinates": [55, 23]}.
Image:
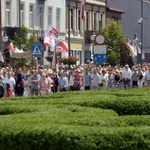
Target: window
{"type": "Point", "coordinates": [87, 21]}
{"type": "Point", "coordinates": [8, 13]}
{"type": "Point", "coordinates": [58, 19]}
{"type": "Point", "coordinates": [50, 15]}
{"type": "Point", "coordinates": [71, 19]}
{"type": "Point", "coordinates": [95, 21]}
{"type": "Point", "coordinates": [22, 14]}
{"type": "Point", "coordinates": [79, 21]}
{"type": "Point", "coordinates": [115, 19]}
{"type": "Point", "coordinates": [31, 17]}
{"type": "Point", "coordinates": [101, 21]}
{"type": "Point", "coordinates": [41, 17]}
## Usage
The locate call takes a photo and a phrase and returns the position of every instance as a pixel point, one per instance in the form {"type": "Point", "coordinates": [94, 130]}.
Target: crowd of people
{"type": "Point", "coordinates": [46, 81]}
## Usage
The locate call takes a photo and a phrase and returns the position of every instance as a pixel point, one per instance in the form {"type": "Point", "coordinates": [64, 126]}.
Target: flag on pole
{"type": "Point", "coordinates": [138, 49]}
{"type": "Point", "coordinates": [49, 37]}
{"type": "Point", "coordinates": [10, 46]}
{"type": "Point", "coordinates": [51, 30]}
{"type": "Point", "coordinates": [132, 48]}
{"type": "Point", "coordinates": [64, 46]}
{"type": "Point", "coordinates": [82, 11]}
{"type": "Point", "coordinates": [49, 40]}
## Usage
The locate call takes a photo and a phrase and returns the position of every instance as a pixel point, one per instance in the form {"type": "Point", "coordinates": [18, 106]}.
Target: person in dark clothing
{"type": "Point", "coordinates": [19, 87]}
{"type": "Point", "coordinates": [1, 91]}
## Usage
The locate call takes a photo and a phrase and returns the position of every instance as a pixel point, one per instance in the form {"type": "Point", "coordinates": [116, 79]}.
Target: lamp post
{"type": "Point", "coordinates": [69, 27]}
{"type": "Point", "coordinates": [3, 40]}
{"type": "Point", "coordinates": [142, 54]}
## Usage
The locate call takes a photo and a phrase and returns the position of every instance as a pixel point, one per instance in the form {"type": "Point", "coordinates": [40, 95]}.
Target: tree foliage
{"type": "Point", "coordinates": [125, 57]}
{"type": "Point", "coordinates": [114, 38]}
{"type": "Point", "coordinates": [22, 40]}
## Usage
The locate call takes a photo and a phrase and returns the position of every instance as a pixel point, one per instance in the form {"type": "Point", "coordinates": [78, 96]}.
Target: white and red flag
{"type": "Point", "coordinates": [82, 11]}
{"type": "Point", "coordinates": [132, 48]}
{"type": "Point", "coordinates": [49, 37]}
{"type": "Point", "coordinates": [10, 46]}
{"type": "Point", "coordinates": [51, 30]}
{"type": "Point", "coordinates": [64, 46]}
{"type": "Point", "coordinates": [49, 40]}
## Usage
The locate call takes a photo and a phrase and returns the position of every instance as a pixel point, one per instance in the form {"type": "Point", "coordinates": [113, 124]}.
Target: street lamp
{"type": "Point", "coordinates": [5, 38]}
{"type": "Point", "coordinates": [142, 54]}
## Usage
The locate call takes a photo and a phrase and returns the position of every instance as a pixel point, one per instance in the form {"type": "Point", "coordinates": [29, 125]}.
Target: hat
{"type": "Point", "coordinates": [1, 77]}
{"type": "Point", "coordinates": [50, 71]}
{"type": "Point", "coordinates": [78, 70]}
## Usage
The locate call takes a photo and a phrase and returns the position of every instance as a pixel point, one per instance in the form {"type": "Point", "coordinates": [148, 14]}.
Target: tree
{"type": "Point", "coordinates": [114, 38]}
{"type": "Point", "coordinates": [125, 57]}
{"type": "Point", "coordinates": [22, 41]}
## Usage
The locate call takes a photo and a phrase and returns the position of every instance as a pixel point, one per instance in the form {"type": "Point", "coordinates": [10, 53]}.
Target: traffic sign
{"type": "Point", "coordinates": [100, 39]}
{"type": "Point", "coordinates": [36, 50]}
{"type": "Point", "coordinates": [39, 58]}
{"type": "Point", "coordinates": [99, 49]}
{"type": "Point", "coordinates": [99, 58]}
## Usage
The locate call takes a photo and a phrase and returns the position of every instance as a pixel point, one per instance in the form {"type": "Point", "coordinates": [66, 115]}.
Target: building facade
{"type": "Point", "coordinates": [94, 19]}
{"type": "Point", "coordinates": [34, 14]}
{"type": "Point", "coordinates": [135, 21]}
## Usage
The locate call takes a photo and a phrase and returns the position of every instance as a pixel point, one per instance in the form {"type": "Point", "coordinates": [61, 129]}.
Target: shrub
{"type": "Point", "coordinates": [77, 121]}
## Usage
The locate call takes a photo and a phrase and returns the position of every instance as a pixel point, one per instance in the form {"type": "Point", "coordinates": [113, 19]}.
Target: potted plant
{"type": "Point", "coordinates": [49, 58]}
{"type": "Point", "coordinates": [70, 60]}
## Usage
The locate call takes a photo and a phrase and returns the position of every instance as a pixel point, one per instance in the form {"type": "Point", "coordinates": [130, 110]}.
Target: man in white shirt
{"type": "Point", "coordinates": [147, 78]}
{"type": "Point", "coordinates": [126, 76]}
{"type": "Point", "coordinates": [62, 83]}
{"type": "Point", "coordinates": [95, 80]}
{"type": "Point", "coordinates": [10, 80]}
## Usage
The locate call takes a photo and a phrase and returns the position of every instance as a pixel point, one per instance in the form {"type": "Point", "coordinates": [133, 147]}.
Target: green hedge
{"type": "Point", "coordinates": [88, 120]}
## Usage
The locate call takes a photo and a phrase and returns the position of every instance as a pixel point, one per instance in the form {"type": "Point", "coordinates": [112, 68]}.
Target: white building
{"type": "Point", "coordinates": [34, 14]}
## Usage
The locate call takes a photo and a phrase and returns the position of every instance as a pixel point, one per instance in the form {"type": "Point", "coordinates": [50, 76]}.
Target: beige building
{"type": "Point", "coordinates": [95, 14]}
{"type": "Point", "coordinates": [113, 14]}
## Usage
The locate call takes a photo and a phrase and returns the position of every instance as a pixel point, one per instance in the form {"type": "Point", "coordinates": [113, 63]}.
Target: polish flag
{"type": "Point", "coordinates": [49, 41]}
{"type": "Point", "coordinates": [52, 30]}
{"type": "Point", "coordinates": [132, 48]}
{"type": "Point", "coordinates": [10, 46]}
{"type": "Point", "coordinates": [82, 11]}
{"type": "Point", "coordinates": [64, 46]}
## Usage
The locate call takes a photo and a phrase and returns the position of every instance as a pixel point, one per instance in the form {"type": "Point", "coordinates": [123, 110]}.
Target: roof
{"type": "Point", "coordinates": [115, 10]}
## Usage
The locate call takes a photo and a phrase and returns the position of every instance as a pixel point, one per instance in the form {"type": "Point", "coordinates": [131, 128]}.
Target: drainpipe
{"type": "Point", "coordinates": [19, 3]}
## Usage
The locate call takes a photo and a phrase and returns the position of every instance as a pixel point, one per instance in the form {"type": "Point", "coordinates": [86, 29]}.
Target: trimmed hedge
{"type": "Point", "coordinates": [87, 120]}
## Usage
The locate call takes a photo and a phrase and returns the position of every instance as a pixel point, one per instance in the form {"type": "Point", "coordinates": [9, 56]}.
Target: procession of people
{"type": "Point", "coordinates": [45, 80]}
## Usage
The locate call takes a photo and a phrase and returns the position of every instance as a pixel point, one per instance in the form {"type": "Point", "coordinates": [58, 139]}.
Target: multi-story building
{"type": "Point", "coordinates": [94, 19]}
{"type": "Point", "coordinates": [34, 14]}
{"type": "Point", "coordinates": [135, 22]}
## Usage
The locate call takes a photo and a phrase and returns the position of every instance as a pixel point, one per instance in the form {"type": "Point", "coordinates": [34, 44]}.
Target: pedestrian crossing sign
{"type": "Point", "coordinates": [36, 50]}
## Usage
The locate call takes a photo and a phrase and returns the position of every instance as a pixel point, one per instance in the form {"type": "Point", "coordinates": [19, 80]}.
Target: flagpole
{"type": "Point", "coordinates": [82, 15]}
{"type": "Point", "coordinates": [142, 33]}
{"type": "Point", "coordinates": [69, 28]}
{"type": "Point", "coordinates": [83, 54]}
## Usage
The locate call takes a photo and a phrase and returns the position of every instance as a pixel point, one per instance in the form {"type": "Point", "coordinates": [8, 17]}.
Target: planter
{"type": "Point", "coordinates": [69, 61]}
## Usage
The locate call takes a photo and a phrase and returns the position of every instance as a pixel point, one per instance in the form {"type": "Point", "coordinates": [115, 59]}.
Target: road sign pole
{"type": "Point", "coordinates": [36, 63]}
